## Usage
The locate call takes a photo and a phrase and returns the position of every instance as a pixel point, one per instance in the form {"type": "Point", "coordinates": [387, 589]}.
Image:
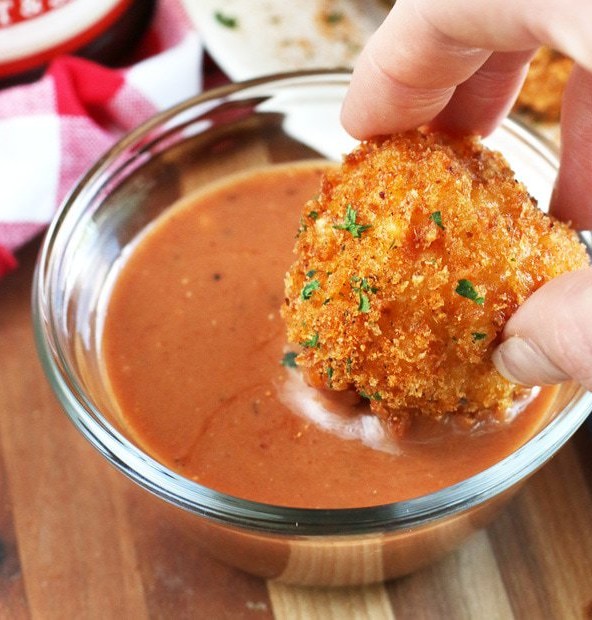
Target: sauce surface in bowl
{"type": "Point", "coordinates": [193, 347]}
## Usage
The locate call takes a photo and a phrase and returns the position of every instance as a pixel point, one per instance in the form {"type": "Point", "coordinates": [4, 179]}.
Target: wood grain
{"type": "Point", "coordinates": [295, 603]}
{"type": "Point", "coordinates": [78, 540]}
{"type": "Point", "coordinates": [13, 598]}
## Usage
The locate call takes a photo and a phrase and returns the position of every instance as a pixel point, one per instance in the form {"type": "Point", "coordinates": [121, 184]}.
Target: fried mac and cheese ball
{"type": "Point", "coordinates": [542, 92]}
{"type": "Point", "coordinates": [410, 261]}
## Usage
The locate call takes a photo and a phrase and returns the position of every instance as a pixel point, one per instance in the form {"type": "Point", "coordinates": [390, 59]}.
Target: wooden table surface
{"type": "Point", "coordinates": [70, 546]}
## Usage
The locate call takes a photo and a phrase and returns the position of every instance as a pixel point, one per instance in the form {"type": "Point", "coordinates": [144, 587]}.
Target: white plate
{"type": "Point", "coordinates": [250, 38]}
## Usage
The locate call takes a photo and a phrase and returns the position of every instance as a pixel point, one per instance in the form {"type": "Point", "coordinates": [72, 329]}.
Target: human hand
{"type": "Point", "coordinates": [459, 65]}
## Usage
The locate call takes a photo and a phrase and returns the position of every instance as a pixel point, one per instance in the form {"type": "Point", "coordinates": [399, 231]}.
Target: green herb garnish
{"type": "Point", "coordinates": [310, 274]}
{"type": "Point", "coordinates": [329, 375]}
{"type": "Point", "coordinates": [309, 288]}
{"type": "Point", "coordinates": [289, 359]}
{"type": "Point", "coordinates": [375, 396]}
{"type": "Point", "coordinates": [226, 20]}
{"type": "Point", "coordinates": [349, 223]}
{"type": "Point", "coordinates": [313, 215]}
{"type": "Point", "coordinates": [303, 227]}
{"type": "Point", "coordinates": [466, 289]}
{"type": "Point", "coordinates": [436, 217]}
{"type": "Point", "coordinates": [312, 342]}
{"type": "Point", "coordinates": [334, 18]}
{"type": "Point", "coordinates": [348, 365]}
{"type": "Point", "coordinates": [478, 336]}
{"type": "Point", "coordinates": [364, 303]}
{"type": "Point", "coordinates": [363, 287]}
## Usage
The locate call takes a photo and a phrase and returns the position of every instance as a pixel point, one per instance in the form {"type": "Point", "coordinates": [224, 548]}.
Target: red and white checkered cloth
{"type": "Point", "coordinates": [52, 130]}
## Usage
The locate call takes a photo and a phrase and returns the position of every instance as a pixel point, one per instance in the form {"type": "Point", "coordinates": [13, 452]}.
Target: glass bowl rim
{"type": "Point", "coordinates": [226, 509]}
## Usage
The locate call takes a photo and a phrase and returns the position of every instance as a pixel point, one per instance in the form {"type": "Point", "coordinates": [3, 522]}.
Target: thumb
{"type": "Point", "coordinates": [549, 338]}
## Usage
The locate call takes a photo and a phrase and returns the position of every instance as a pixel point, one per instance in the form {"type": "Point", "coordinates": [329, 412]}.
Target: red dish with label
{"type": "Point", "coordinates": [34, 32]}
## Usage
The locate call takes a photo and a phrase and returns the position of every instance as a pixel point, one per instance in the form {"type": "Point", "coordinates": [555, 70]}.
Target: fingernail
{"type": "Point", "coordinates": [521, 361]}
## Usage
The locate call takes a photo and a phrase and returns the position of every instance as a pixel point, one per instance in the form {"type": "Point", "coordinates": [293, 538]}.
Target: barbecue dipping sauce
{"type": "Point", "coordinates": [193, 343]}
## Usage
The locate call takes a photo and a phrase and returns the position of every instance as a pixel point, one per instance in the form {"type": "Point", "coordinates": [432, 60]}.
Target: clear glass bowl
{"type": "Point", "coordinates": [291, 117]}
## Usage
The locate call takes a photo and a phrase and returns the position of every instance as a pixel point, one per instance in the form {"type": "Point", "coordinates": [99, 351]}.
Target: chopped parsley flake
{"type": "Point", "coordinates": [312, 342]}
{"type": "Point", "coordinates": [226, 20]}
{"type": "Point", "coordinates": [478, 336]}
{"type": "Point", "coordinates": [364, 305]}
{"type": "Point", "coordinates": [313, 215]}
{"type": "Point", "coordinates": [289, 359]}
{"type": "Point", "coordinates": [348, 365]}
{"type": "Point", "coordinates": [349, 223]}
{"type": "Point", "coordinates": [363, 287]}
{"type": "Point", "coordinates": [301, 228]}
{"type": "Point", "coordinates": [329, 375]}
{"type": "Point", "coordinates": [466, 289]}
{"type": "Point", "coordinates": [309, 288]}
{"type": "Point", "coordinates": [375, 396]}
{"type": "Point", "coordinates": [310, 274]}
{"type": "Point", "coordinates": [436, 217]}
{"type": "Point", "coordinates": [334, 18]}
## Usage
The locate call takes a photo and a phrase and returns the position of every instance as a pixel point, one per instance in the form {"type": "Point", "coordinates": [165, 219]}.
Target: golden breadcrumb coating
{"type": "Point", "coordinates": [410, 261]}
{"type": "Point", "coordinates": [542, 91]}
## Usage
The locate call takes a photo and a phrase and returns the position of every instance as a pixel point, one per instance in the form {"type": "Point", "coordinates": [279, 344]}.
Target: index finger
{"type": "Point", "coordinates": [410, 68]}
